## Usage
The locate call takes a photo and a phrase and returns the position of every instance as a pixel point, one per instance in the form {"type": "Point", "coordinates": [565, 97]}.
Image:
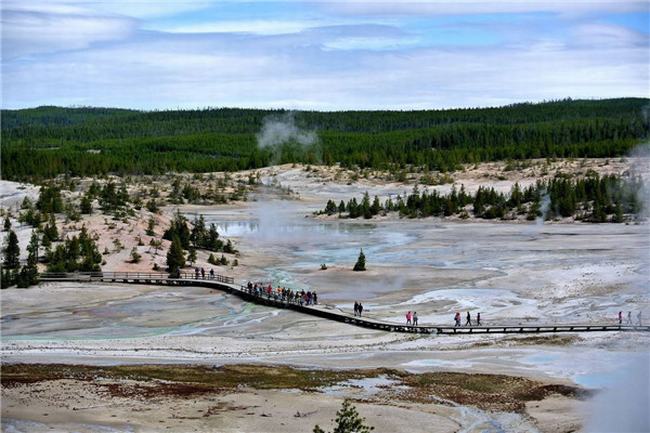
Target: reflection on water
{"type": "Point", "coordinates": [251, 228]}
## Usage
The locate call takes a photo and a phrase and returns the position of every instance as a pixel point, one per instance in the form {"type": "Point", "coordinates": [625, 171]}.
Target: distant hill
{"type": "Point", "coordinates": [46, 141]}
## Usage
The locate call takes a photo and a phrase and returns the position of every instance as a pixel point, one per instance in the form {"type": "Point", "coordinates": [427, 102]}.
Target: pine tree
{"type": "Point", "coordinates": [175, 256]}
{"type": "Point", "coordinates": [347, 420]}
{"type": "Point", "coordinates": [8, 277]}
{"type": "Point", "coordinates": [86, 205]}
{"type": "Point", "coordinates": [191, 255]}
{"type": "Point", "coordinates": [135, 256]}
{"type": "Point", "coordinates": [29, 272]}
{"type": "Point", "coordinates": [360, 265]}
{"type": "Point", "coordinates": [50, 232]}
{"type": "Point", "coordinates": [375, 207]}
{"type": "Point", "coordinates": [12, 251]}
{"type": "Point", "coordinates": [150, 226]}
{"type": "Point", "coordinates": [365, 206]}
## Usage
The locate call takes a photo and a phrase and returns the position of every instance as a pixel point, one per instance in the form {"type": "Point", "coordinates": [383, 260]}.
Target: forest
{"type": "Point", "coordinates": [44, 142]}
{"type": "Point", "coordinates": [593, 198]}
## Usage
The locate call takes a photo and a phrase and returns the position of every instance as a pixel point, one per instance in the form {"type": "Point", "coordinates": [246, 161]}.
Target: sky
{"type": "Point", "coordinates": [321, 55]}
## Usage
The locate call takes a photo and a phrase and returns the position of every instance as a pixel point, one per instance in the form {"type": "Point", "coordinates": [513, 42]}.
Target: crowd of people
{"type": "Point", "coordinates": [282, 294]}
{"type": "Point", "coordinates": [629, 321]}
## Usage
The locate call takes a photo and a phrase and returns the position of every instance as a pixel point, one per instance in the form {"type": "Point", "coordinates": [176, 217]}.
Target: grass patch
{"type": "Point", "coordinates": [486, 391]}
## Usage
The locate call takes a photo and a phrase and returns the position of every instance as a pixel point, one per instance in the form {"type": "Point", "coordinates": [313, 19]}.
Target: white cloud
{"type": "Point", "coordinates": [28, 32]}
{"type": "Point", "coordinates": [128, 8]}
{"type": "Point", "coordinates": [607, 35]}
{"type": "Point", "coordinates": [213, 70]}
{"type": "Point", "coordinates": [263, 27]}
{"type": "Point", "coordinates": [447, 7]}
{"type": "Point", "coordinates": [104, 57]}
{"type": "Point", "coordinates": [368, 43]}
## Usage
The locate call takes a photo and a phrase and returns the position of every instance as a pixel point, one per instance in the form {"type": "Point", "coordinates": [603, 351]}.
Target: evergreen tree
{"type": "Point", "coordinates": [180, 229]}
{"type": "Point", "coordinates": [191, 255]}
{"type": "Point", "coordinates": [348, 420]}
{"type": "Point", "coordinates": [365, 206]}
{"type": "Point", "coordinates": [135, 256]}
{"type": "Point", "coordinates": [197, 235]}
{"type": "Point", "coordinates": [151, 224]}
{"type": "Point", "coordinates": [330, 208]}
{"type": "Point", "coordinates": [50, 232]}
{"type": "Point", "coordinates": [49, 199]}
{"type": "Point", "coordinates": [175, 256]}
{"type": "Point", "coordinates": [86, 205]}
{"type": "Point", "coordinates": [29, 273]}
{"type": "Point", "coordinates": [375, 207]}
{"type": "Point", "coordinates": [8, 277]}
{"type": "Point", "coordinates": [229, 248]}
{"type": "Point", "coordinates": [12, 251]}
{"type": "Point", "coordinates": [360, 265]}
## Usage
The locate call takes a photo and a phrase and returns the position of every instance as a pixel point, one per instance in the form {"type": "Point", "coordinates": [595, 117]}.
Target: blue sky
{"type": "Point", "coordinates": [354, 54]}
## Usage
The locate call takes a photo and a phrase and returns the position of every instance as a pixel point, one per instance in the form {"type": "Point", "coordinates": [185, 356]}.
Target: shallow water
{"type": "Point", "coordinates": [163, 311]}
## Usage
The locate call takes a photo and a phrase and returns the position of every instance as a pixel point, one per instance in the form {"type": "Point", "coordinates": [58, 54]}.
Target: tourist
{"type": "Point", "coordinates": [415, 318]}
{"type": "Point", "coordinates": [315, 298]}
{"type": "Point", "coordinates": [468, 322]}
{"type": "Point", "coordinates": [457, 319]}
{"type": "Point", "coordinates": [638, 317]}
{"type": "Point", "coordinates": [212, 276]}
{"type": "Point", "coordinates": [478, 319]}
{"type": "Point", "coordinates": [203, 273]}
{"type": "Point", "coordinates": [620, 317]}
{"type": "Point", "coordinates": [629, 317]}
{"type": "Point", "coordinates": [196, 273]}
{"type": "Point", "coordinates": [408, 318]}
{"type": "Point", "coordinates": [360, 309]}
{"type": "Point", "coordinates": [356, 308]}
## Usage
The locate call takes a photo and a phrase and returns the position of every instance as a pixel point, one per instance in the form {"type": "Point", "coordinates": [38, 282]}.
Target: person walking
{"type": "Point", "coordinates": [457, 319]}
{"type": "Point", "coordinates": [638, 318]}
{"type": "Point", "coordinates": [468, 321]}
{"type": "Point", "coordinates": [620, 317]}
{"type": "Point", "coordinates": [629, 317]}
{"type": "Point", "coordinates": [212, 277]}
{"type": "Point", "coordinates": [360, 309]}
{"type": "Point", "coordinates": [408, 318]}
{"type": "Point", "coordinates": [415, 318]}
{"type": "Point", "coordinates": [478, 319]}
{"type": "Point", "coordinates": [203, 273]}
{"type": "Point", "coordinates": [356, 308]}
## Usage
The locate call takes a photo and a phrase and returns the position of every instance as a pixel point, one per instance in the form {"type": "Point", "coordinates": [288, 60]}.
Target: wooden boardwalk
{"type": "Point", "coordinates": [227, 284]}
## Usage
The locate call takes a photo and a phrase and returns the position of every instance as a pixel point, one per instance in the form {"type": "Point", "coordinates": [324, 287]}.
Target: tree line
{"type": "Point", "coordinates": [47, 141]}
{"type": "Point", "coordinates": [594, 198]}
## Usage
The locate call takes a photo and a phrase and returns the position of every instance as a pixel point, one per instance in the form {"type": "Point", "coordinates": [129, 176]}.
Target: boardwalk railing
{"type": "Point", "coordinates": [131, 276]}
{"type": "Point", "coordinates": [228, 285]}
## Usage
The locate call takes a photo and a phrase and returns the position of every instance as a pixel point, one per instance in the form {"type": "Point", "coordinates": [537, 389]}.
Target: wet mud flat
{"type": "Point", "coordinates": [269, 398]}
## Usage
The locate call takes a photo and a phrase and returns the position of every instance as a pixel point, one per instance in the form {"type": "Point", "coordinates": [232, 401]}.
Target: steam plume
{"type": "Point", "coordinates": [277, 130]}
